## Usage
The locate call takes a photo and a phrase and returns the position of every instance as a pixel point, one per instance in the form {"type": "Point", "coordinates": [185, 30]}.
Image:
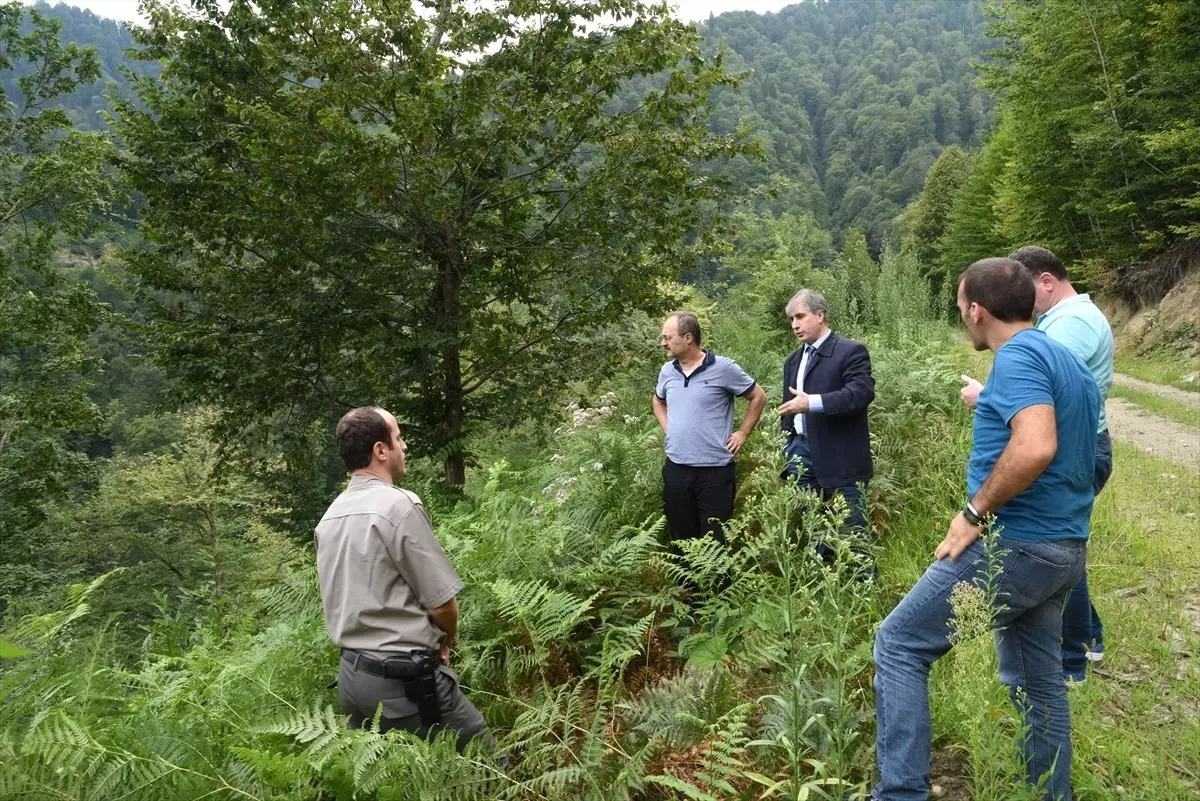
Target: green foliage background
{"type": "Point", "coordinates": [159, 625]}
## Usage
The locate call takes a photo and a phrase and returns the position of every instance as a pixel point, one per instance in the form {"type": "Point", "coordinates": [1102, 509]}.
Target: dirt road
{"type": "Point", "coordinates": [1188, 399]}
{"type": "Point", "coordinates": [1128, 422]}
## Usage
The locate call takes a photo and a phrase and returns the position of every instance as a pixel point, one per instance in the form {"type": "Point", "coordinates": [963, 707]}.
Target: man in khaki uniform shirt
{"type": "Point", "coordinates": [388, 591]}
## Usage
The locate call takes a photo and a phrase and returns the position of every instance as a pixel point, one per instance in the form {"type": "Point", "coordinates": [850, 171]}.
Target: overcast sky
{"type": "Point", "coordinates": [689, 9]}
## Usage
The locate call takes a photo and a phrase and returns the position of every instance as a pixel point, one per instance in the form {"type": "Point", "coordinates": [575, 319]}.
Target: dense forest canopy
{"type": "Point", "coordinates": [854, 102]}
{"type": "Point", "coordinates": [111, 42]}
{"type": "Point", "coordinates": [851, 101]}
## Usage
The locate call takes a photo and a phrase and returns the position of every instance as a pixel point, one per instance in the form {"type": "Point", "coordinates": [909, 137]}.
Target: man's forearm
{"type": "Point", "coordinates": [660, 411]}
{"type": "Point", "coordinates": [1015, 470]}
{"type": "Point", "coordinates": [446, 618]}
{"type": "Point", "coordinates": [758, 402]}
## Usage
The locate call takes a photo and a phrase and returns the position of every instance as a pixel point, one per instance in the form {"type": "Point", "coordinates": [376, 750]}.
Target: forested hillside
{"type": "Point", "coordinates": [110, 40]}
{"type": "Point", "coordinates": [477, 215]}
{"type": "Point", "coordinates": [1095, 153]}
{"type": "Point", "coordinates": [853, 102]}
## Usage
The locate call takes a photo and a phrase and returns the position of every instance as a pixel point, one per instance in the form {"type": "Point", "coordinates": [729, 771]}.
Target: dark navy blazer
{"type": "Point", "coordinates": [838, 437]}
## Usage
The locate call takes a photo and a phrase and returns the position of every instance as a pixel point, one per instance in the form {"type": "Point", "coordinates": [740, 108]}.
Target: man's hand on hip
{"type": "Point", "coordinates": [444, 652]}
{"type": "Point", "coordinates": [735, 442]}
{"type": "Point", "coordinates": [797, 405]}
{"type": "Point", "coordinates": [958, 538]}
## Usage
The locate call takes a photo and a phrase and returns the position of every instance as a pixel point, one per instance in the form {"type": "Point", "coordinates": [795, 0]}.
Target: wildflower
{"type": "Point", "coordinates": [629, 419]}
{"type": "Point", "coordinates": [556, 457]}
{"type": "Point", "coordinates": [597, 466]}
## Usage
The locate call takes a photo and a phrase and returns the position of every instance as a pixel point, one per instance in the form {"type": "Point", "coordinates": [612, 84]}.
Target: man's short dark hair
{"type": "Point", "coordinates": [688, 324]}
{"type": "Point", "coordinates": [1037, 260]}
{"type": "Point", "coordinates": [1002, 286]}
{"type": "Point", "coordinates": [357, 432]}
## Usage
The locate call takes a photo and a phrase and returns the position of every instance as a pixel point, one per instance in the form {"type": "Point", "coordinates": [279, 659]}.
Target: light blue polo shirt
{"type": "Point", "coordinates": [1083, 328]}
{"type": "Point", "coordinates": [700, 409]}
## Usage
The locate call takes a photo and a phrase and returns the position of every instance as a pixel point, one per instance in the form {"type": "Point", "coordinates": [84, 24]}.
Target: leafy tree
{"type": "Point", "coordinates": [857, 276]}
{"type": "Point", "coordinates": [1174, 61]}
{"type": "Point", "coordinates": [974, 228]}
{"type": "Point", "coordinates": [931, 211]}
{"type": "Point", "coordinates": [51, 180]}
{"type": "Point", "coordinates": [1104, 94]}
{"type": "Point", "coordinates": [177, 529]}
{"type": "Point", "coordinates": [770, 258]}
{"type": "Point", "coordinates": [427, 210]}
{"type": "Point", "coordinates": [108, 40]}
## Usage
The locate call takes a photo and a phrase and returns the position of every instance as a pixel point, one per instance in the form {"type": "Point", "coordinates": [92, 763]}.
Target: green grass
{"type": "Point", "coordinates": [1137, 723]}
{"type": "Point", "coordinates": [1163, 407]}
{"type": "Point", "coordinates": [1156, 371]}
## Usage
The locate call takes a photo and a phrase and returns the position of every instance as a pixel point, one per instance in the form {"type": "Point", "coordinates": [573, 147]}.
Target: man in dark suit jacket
{"type": "Point", "coordinates": [827, 386]}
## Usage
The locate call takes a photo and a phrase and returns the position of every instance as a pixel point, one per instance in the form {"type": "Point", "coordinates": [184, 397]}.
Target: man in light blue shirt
{"type": "Point", "coordinates": [1071, 319]}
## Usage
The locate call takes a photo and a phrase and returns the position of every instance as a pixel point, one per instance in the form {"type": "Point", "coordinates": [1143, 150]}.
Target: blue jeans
{"type": "Point", "coordinates": [798, 454]}
{"type": "Point", "coordinates": [1032, 587]}
{"type": "Point", "coordinates": [1082, 628]}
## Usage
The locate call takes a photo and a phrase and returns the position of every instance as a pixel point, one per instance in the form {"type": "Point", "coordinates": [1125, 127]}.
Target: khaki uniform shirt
{"type": "Point", "coordinates": [381, 568]}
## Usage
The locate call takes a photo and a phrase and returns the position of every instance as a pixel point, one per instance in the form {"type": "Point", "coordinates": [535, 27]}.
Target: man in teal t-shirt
{"type": "Point", "coordinates": [1073, 320]}
{"type": "Point", "coordinates": [1032, 463]}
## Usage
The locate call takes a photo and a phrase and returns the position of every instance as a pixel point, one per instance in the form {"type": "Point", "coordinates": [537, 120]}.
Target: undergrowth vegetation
{"type": "Point", "coordinates": [601, 677]}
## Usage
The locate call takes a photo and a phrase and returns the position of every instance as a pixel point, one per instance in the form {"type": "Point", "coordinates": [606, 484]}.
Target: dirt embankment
{"type": "Point", "coordinates": [1169, 329]}
{"type": "Point", "coordinates": [1169, 332]}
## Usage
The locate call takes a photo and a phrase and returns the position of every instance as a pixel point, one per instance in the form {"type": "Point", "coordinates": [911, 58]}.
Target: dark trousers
{"type": "Point", "coordinates": [1081, 626]}
{"type": "Point", "coordinates": [697, 500]}
{"type": "Point", "coordinates": [361, 694]}
{"type": "Point", "coordinates": [800, 469]}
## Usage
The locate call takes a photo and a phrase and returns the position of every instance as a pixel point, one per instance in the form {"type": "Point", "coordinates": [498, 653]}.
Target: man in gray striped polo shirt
{"type": "Point", "coordinates": [693, 402]}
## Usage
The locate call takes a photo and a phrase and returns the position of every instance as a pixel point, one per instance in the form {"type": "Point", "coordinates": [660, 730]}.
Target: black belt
{"type": "Point", "coordinates": [418, 671]}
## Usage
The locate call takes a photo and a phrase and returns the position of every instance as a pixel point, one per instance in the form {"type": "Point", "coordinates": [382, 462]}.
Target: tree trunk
{"type": "Point", "coordinates": [449, 325]}
{"type": "Point", "coordinates": [452, 416]}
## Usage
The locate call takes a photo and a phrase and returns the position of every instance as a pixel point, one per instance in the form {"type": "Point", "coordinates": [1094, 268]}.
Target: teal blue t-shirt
{"type": "Point", "coordinates": [1077, 323]}
{"type": "Point", "coordinates": [1029, 370]}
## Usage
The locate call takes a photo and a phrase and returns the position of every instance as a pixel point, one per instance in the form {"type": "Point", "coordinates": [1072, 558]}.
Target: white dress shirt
{"type": "Point", "coordinates": [814, 401]}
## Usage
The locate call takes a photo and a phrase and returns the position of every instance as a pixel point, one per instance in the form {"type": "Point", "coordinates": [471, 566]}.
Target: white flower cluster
{"type": "Point", "coordinates": [557, 489]}
{"type": "Point", "coordinates": [587, 416]}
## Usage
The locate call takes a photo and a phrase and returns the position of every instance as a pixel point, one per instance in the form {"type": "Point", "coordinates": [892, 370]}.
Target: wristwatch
{"type": "Point", "coordinates": [972, 516]}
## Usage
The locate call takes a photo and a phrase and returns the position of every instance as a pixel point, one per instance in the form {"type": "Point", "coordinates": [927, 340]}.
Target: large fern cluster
{"type": "Point", "coordinates": [610, 665]}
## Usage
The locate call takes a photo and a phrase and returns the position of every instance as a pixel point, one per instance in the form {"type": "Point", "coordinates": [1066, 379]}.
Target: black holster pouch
{"type": "Point", "coordinates": [418, 671]}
